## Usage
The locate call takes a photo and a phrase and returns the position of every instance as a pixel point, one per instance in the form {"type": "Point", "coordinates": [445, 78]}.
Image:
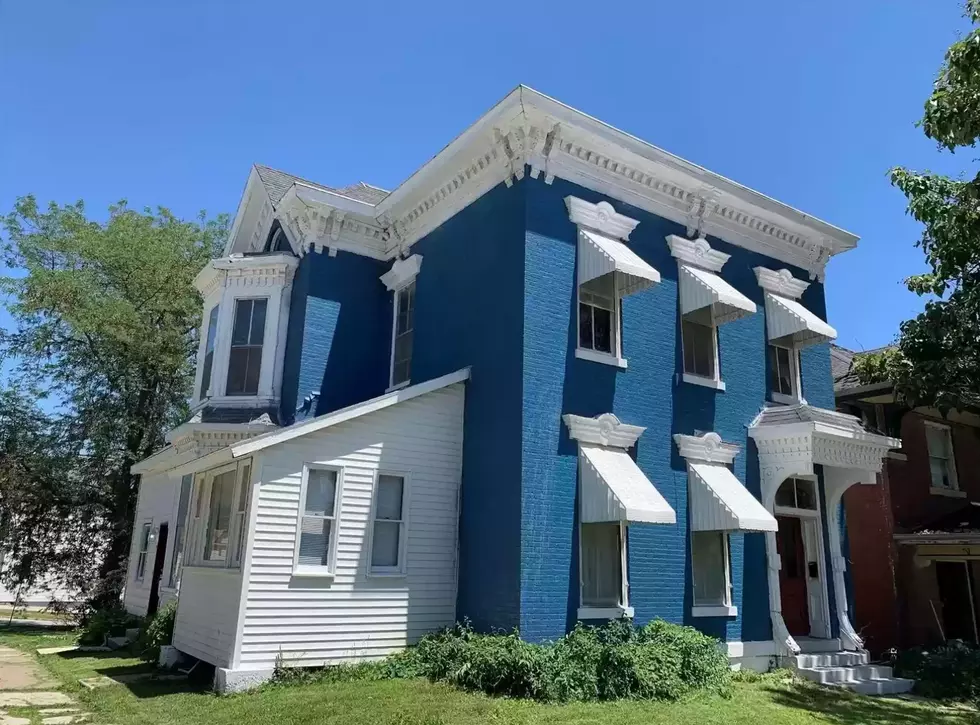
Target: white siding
{"type": "Point", "coordinates": [355, 615]}
{"type": "Point", "coordinates": [207, 613]}
{"type": "Point", "coordinates": [157, 503]}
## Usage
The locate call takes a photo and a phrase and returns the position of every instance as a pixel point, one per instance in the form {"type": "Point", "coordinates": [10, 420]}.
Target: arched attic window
{"type": "Point", "coordinates": [277, 240]}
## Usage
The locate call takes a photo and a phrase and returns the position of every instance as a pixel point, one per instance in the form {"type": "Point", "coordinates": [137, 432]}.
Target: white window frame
{"type": "Point", "coordinates": [794, 376]}
{"type": "Point", "coordinates": [954, 482]}
{"type": "Point", "coordinates": [402, 568]}
{"type": "Point", "coordinates": [329, 570]}
{"type": "Point", "coordinates": [239, 526]}
{"type": "Point", "coordinates": [709, 382]}
{"type": "Point", "coordinates": [714, 609]}
{"type": "Point", "coordinates": [143, 554]}
{"type": "Point", "coordinates": [202, 559]}
{"type": "Point", "coordinates": [623, 609]}
{"type": "Point", "coordinates": [262, 348]}
{"type": "Point", "coordinates": [614, 358]}
{"type": "Point", "coordinates": [197, 535]}
{"type": "Point", "coordinates": [181, 523]}
{"type": "Point", "coordinates": [396, 293]}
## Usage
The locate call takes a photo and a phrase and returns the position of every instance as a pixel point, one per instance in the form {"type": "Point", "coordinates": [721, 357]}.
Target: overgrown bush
{"type": "Point", "coordinates": [948, 672]}
{"type": "Point", "coordinates": [157, 632]}
{"type": "Point", "coordinates": [105, 623]}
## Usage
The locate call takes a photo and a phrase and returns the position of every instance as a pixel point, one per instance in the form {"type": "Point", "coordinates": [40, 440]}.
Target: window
{"type": "Point", "coordinates": [403, 327]}
{"type": "Point", "coordinates": [318, 521]}
{"type": "Point", "coordinates": [176, 559]}
{"type": "Point", "coordinates": [942, 469]}
{"type": "Point", "coordinates": [603, 552]}
{"type": "Point", "coordinates": [219, 516]}
{"type": "Point", "coordinates": [797, 493]}
{"type": "Point", "coordinates": [144, 544]}
{"type": "Point", "coordinates": [277, 240]}
{"type": "Point", "coordinates": [388, 535]}
{"type": "Point", "coordinates": [245, 360]}
{"type": "Point", "coordinates": [700, 345]}
{"type": "Point", "coordinates": [209, 351]}
{"type": "Point", "coordinates": [241, 519]}
{"type": "Point", "coordinates": [598, 315]}
{"type": "Point", "coordinates": [784, 372]}
{"type": "Point", "coordinates": [710, 569]}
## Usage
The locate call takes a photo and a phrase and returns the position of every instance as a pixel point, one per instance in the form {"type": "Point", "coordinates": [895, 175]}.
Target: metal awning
{"type": "Point", "coordinates": [791, 324]}
{"type": "Point", "coordinates": [719, 502]}
{"type": "Point", "coordinates": [701, 288]}
{"type": "Point", "coordinates": [615, 489]}
{"type": "Point", "coordinates": [599, 255]}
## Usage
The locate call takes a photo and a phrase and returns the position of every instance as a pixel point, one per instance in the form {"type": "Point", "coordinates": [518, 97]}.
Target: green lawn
{"type": "Point", "coordinates": [6, 612]}
{"type": "Point", "coordinates": [416, 702]}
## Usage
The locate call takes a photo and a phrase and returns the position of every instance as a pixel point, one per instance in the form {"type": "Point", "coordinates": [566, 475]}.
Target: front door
{"type": "Point", "coordinates": [956, 597]}
{"type": "Point", "coordinates": [161, 554]}
{"type": "Point", "coordinates": [793, 575]}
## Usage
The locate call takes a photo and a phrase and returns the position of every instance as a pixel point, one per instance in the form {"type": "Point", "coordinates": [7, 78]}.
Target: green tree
{"type": "Point", "coordinates": [936, 360]}
{"type": "Point", "coordinates": [104, 328]}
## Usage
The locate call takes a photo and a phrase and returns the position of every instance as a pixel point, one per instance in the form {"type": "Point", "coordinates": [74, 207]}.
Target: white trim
{"type": "Point", "coordinates": [402, 273]}
{"type": "Point", "coordinates": [780, 282]}
{"type": "Point", "coordinates": [398, 386]}
{"type": "Point", "coordinates": [783, 399]}
{"type": "Point", "coordinates": [954, 478]}
{"type": "Point", "coordinates": [395, 311]}
{"type": "Point", "coordinates": [950, 492]}
{"type": "Point", "coordinates": [708, 447]}
{"type": "Point", "coordinates": [704, 382]}
{"type": "Point", "coordinates": [601, 357]}
{"type": "Point", "coordinates": [720, 610]}
{"type": "Point", "coordinates": [603, 430]}
{"type": "Point", "coordinates": [764, 648]}
{"type": "Point", "coordinates": [140, 573]}
{"type": "Point", "coordinates": [401, 569]}
{"type": "Point", "coordinates": [327, 570]}
{"type": "Point", "coordinates": [604, 612]}
{"type": "Point", "coordinates": [601, 217]}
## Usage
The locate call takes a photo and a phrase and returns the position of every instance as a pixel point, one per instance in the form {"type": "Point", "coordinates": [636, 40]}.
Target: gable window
{"type": "Point", "coordinates": [942, 468]}
{"type": "Point", "coordinates": [700, 338]}
{"type": "Point", "coordinates": [277, 240]}
{"type": "Point", "coordinates": [388, 534]}
{"type": "Point", "coordinates": [212, 333]}
{"type": "Point", "coordinates": [784, 374]}
{"type": "Point", "coordinates": [316, 538]}
{"type": "Point", "coordinates": [711, 569]}
{"type": "Point", "coordinates": [144, 548]}
{"type": "Point", "coordinates": [245, 359]}
{"type": "Point", "coordinates": [598, 315]}
{"type": "Point", "coordinates": [403, 328]}
{"type": "Point", "coordinates": [217, 533]}
{"type": "Point", "coordinates": [241, 517]}
{"type": "Point", "coordinates": [602, 551]}
{"type": "Point", "coordinates": [176, 558]}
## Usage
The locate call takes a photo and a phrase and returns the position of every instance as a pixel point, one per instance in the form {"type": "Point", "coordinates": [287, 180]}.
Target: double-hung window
{"type": "Point", "coordinates": [602, 552]}
{"type": "Point", "coordinates": [218, 532]}
{"type": "Point", "coordinates": [247, 336]}
{"type": "Point", "coordinates": [241, 512]}
{"type": "Point", "coordinates": [710, 569]}
{"type": "Point", "coordinates": [317, 534]}
{"type": "Point", "coordinates": [144, 548]}
{"type": "Point", "coordinates": [942, 468]}
{"type": "Point", "coordinates": [403, 329]}
{"type": "Point", "coordinates": [784, 372]}
{"type": "Point", "coordinates": [210, 336]}
{"type": "Point", "coordinates": [598, 315]}
{"type": "Point", "coordinates": [700, 343]}
{"type": "Point", "coordinates": [388, 534]}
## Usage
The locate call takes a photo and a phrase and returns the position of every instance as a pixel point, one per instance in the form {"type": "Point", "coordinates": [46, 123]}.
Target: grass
{"type": "Point", "coordinates": [6, 612]}
{"type": "Point", "coordinates": [416, 702]}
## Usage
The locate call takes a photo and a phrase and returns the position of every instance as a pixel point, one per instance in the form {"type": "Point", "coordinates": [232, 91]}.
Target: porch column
{"type": "Point", "coordinates": [836, 482]}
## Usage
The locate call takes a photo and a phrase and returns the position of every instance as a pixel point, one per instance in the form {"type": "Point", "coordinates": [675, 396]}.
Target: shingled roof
{"type": "Point", "coordinates": [277, 183]}
{"type": "Point", "coordinates": [842, 364]}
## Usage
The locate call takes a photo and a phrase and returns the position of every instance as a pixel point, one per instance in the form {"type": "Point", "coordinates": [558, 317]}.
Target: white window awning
{"type": "Point", "coordinates": [719, 502]}
{"type": "Point", "coordinates": [615, 489]}
{"type": "Point", "coordinates": [791, 324]}
{"type": "Point", "coordinates": [599, 255]}
{"type": "Point", "coordinates": [701, 288]}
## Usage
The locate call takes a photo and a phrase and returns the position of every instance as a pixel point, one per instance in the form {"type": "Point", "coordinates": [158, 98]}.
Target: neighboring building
{"type": "Point", "coordinates": [915, 539]}
{"type": "Point", "coordinates": [557, 375]}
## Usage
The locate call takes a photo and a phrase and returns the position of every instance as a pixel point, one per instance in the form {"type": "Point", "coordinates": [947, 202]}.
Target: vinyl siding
{"type": "Point", "coordinates": [354, 615]}
{"type": "Point", "coordinates": [207, 613]}
{"type": "Point", "coordinates": [157, 502]}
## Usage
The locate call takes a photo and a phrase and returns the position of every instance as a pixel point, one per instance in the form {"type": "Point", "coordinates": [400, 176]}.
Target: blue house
{"type": "Point", "coordinates": [557, 375]}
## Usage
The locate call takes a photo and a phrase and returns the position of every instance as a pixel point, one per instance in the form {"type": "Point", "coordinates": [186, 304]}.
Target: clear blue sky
{"type": "Point", "coordinates": [168, 103]}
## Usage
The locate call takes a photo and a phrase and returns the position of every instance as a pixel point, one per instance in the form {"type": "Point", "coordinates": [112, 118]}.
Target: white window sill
{"type": "Point", "coordinates": [785, 399]}
{"type": "Point", "coordinates": [387, 574]}
{"type": "Point", "coordinates": [951, 493]}
{"type": "Point", "coordinates": [719, 610]}
{"type": "Point", "coordinates": [600, 357]}
{"type": "Point", "coordinates": [312, 572]}
{"type": "Point", "coordinates": [896, 456]}
{"type": "Point", "coordinates": [604, 612]}
{"type": "Point", "coordinates": [398, 386]}
{"type": "Point", "coordinates": [704, 382]}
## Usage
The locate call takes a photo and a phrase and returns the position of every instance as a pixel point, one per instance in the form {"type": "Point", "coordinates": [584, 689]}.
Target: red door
{"type": "Point", "coordinates": [792, 575]}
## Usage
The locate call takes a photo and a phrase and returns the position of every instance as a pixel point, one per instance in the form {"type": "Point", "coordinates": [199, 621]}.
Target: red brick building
{"type": "Point", "coordinates": [915, 539]}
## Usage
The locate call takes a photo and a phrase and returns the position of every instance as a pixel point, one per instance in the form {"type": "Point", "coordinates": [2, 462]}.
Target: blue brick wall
{"type": "Point", "coordinates": [469, 312]}
{"type": "Point", "coordinates": [337, 334]}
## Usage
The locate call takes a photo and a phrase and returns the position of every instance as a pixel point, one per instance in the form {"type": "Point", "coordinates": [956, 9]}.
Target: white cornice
{"type": "Point", "coordinates": [318, 219]}
{"type": "Point", "coordinates": [708, 447]}
{"type": "Point", "coordinates": [604, 430]}
{"type": "Point", "coordinates": [780, 282]}
{"type": "Point", "coordinates": [600, 217]}
{"type": "Point", "coordinates": [697, 253]}
{"type": "Point", "coordinates": [240, 270]}
{"type": "Point", "coordinates": [402, 272]}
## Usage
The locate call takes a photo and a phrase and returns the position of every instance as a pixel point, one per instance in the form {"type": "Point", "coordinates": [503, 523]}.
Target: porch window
{"type": "Point", "coordinates": [603, 552]}
{"type": "Point", "coordinates": [176, 558]}
{"type": "Point", "coordinates": [942, 468]}
{"type": "Point", "coordinates": [318, 522]}
{"type": "Point", "coordinates": [700, 338]}
{"type": "Point", "coordinates": [797, 493]}
{"type": "Point", "coordinates": [217, 534]}
{"type": "Point", "coordinates": [241, 515]}
{"type": "Point", "coordinates": [784, 366]}
{"type": "Point", "coordinates": [247, 336]}
{"type": "Point", "coordinates": [144, 547]}
{"type": "Point", "coordinates": [212, 333]}
{"type": "Point", "coordinates": [388, 534]}
{"type": "Point", "coordinates": [711, 569]}
{"type": "Point", "coordinates": [598, 315]}
{"type": "Point", "coordinates": [402, 334]}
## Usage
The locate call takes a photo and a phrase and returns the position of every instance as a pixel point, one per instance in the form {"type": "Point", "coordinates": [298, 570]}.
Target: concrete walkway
{"type": "Point", "coordinates": [23, 683]}
{"type": "Point", "coordinates": [20, 671]}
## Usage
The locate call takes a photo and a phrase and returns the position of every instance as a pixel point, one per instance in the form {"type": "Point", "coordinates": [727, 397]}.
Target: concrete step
{"type": "Point", "coordinates": [832, 659]}
{"type": "Point", "coordinates": [133, 634]}
{"type": "Point", "coordinates": [838, 675]}
{"type": "Point", "coordinates": [118, 642]}
{"type": "Point", "coordinates": [886, 686]}
{"type": "Point", "coordinates": [810, 645]}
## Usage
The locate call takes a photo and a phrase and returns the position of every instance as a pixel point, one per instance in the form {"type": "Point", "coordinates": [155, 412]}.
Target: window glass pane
{"type": "Point", "coordinates": [806, 497]}
{"type": "Point", "coordinates": [258, 322]}
{"type": "Point", "coordinates": [939, 471]}
{"type": "Point", "coordinates": [400, 373]}
{"type": "Point", "coordinates": [602, 582]}
{"type": "Point", "coordinates": [699, 349]}
{"type": "Point", "coordinates": [321, 489]}
{"type": "Point", "coordinates": [237, 370]}
{"type": "Point", "coordinates": [602, 329]}
{"type": "Point", "coordinates": [389, 504]}
{"type": "Point", "coordinates": [782, 377]}
{"type": "Point", "coordinates": [599, 291]}
{"type": "Point", "coordinates": [219, 516]}
{"type": "Point", "coordinates": [314, 541]}
{"type": "Point", "coordinates": [786, 494]}
{"type": "Point", "coordinates": [243, 322]}
{"type": "Point", "coordinates": [209, 351]}
{"type": "Point", "coordinates": [585, 326]}
{"type": "Point", "coordinates": [708, 565]}
{"type": "Point", "coordinates": [384, 547]}
{"type": "Point", "coordinates": [253, 365]}
{"type": "Point", "coordinates": [938, 441]}
{"type": "Point", "coordinates": [245, 483]}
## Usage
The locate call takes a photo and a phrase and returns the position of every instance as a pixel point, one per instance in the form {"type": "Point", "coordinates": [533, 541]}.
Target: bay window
{"type": "Point", "coordinates": [218, 530]}
{"type": "Point", "coordinates": [247, 336]}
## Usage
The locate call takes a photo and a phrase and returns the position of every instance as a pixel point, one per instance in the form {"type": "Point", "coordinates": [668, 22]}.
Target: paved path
{"type": "Point", "coordinates": [22, 684]}
{"type": "Point", "coordinates": [20, 671]}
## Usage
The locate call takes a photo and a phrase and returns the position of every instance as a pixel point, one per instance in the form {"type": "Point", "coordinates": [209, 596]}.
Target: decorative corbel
{"type": "Point", "coordinates": [338, 224]}
{"type": "Point", "coordinates": [702, 204]}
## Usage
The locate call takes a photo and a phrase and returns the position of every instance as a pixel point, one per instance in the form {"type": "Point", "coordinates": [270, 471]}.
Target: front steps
{"type": "Point", "coordinates": [824, 662]}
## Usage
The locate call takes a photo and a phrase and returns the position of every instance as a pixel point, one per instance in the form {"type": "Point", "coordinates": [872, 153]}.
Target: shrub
{"type": "Point", "coordinates": [157, 632]}
{"type": "Point", "coordinates": [572, 667]}
{"type": "Point", "coordinates": [100, 625]}
{"type": "Point", "coordinates": [948, 672]}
